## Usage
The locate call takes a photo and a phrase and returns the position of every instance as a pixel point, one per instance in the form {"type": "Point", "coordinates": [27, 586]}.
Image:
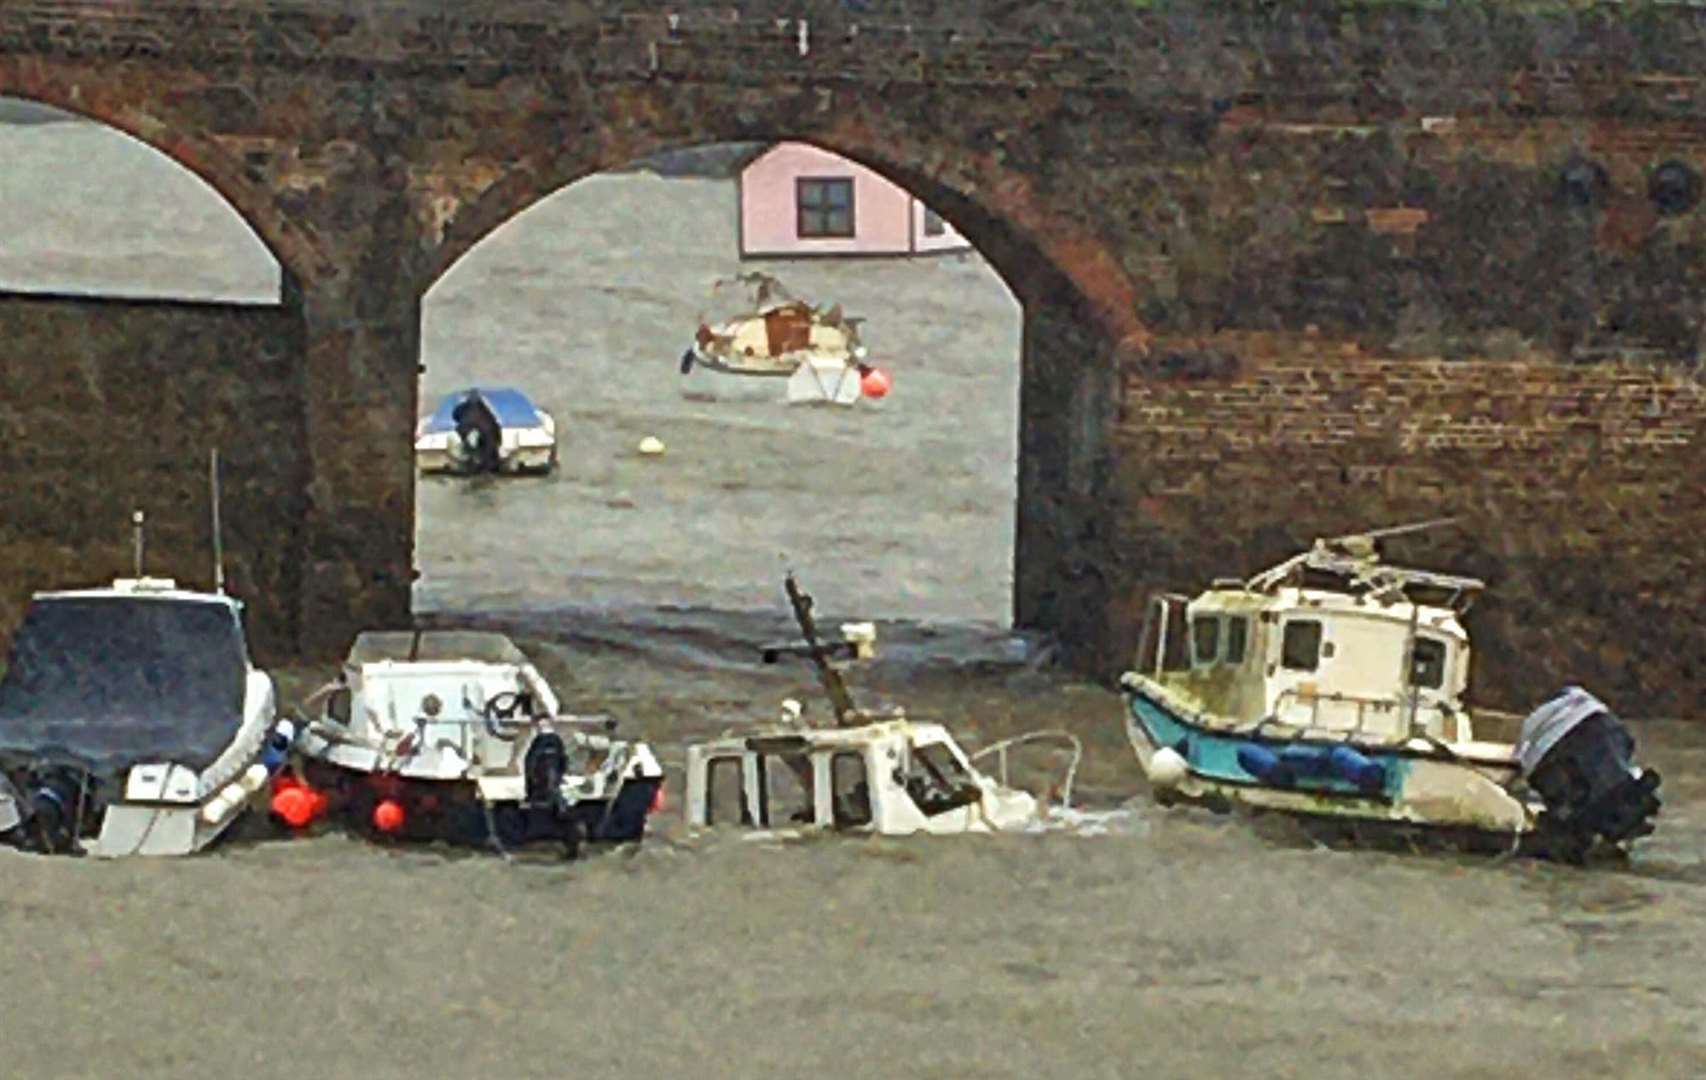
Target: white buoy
{"type": "Point", "coordinates": [1167, 770]}
{"type": "Point", "coordinates": [651, 446]}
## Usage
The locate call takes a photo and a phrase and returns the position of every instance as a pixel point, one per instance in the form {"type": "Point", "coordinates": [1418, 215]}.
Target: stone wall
{"type": "Point", "coordinates": [110, 405]}
{"type": "Point", "coordinates": [1578, 487]}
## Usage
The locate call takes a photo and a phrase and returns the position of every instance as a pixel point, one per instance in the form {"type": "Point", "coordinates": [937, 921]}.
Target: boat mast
{"type": "Point", "coordinates": [839, 699]}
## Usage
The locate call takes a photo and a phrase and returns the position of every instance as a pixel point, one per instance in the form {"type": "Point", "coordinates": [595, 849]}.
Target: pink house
{"type": "Point", "coordinates": [796, 199]}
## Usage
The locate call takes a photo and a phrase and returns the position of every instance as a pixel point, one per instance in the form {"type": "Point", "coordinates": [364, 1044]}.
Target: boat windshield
{"type": "Point", "coordinates": [119, 680]}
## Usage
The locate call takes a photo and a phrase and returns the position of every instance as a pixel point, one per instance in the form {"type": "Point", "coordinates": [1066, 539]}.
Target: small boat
{"type": "Point", "coordinates": [781, 336]}
{"type": "Point", "coordinates": [871, 772]}
{"type": "Point", "coordinates": [1331, 687]}
{"type": "Point", "coordinates": [132, 721]}
{"type": "Point", "coordinates": [486, 429]}
{"type": "Point", "coordinates": [456, 736]}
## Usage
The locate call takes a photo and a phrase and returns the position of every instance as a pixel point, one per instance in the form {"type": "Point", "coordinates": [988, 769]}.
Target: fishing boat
{"type": "Point", "coordinates": [1332, 686]}
{"type": "Point", "coordinates": [455, 735]}
{"type": "Point", "coordinates": [874, 772]}
{"type": "Point", "coordinates": [486, 429]}
{"type": "Point", "coordinates": [779, 335]}
{"type": "Point", "coordinates": [132, 720]}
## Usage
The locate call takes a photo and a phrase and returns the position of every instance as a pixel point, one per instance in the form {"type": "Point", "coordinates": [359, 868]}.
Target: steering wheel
{"type": "Point", "coordinates": [499, 713]}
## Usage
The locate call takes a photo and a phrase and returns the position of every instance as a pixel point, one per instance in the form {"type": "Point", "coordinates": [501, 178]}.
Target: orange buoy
{"type": "Point", "coordinates": [295, 805]}
{"type": "Point", "coordinates": [874, 383]}
{"type": "Point", "coordinates": [657, 799]}
{"type": "Point", "coordinates": [388, 815]}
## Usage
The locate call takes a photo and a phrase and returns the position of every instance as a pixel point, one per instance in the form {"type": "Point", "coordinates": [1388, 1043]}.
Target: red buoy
{"type": "Point", "coordinates": [874, 383]}
{"type": "Point", "coordinates": [388, 816]}
{"type": "Point", "coordinates": [657, 799]}
{"type": "Point", "coordinates": [294, 805]}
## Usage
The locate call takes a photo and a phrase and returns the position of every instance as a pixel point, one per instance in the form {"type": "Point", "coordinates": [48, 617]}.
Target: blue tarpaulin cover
{"type": "Point", "coordinates": [511, 407]}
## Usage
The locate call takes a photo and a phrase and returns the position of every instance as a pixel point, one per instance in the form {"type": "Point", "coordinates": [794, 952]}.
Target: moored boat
{"type": "Point", "coordinates": [868, 772]}
{"type": "Point", "coordinates": [132, 721]}
{"type": "Point", "coordinates": [1332, 687]}
{"type": "Point", "coordinates": [456, 736]}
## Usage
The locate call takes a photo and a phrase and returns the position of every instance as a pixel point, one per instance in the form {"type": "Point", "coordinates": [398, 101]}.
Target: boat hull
{"type": "Point", "coordinates": [1397, 790]}
{"type": "Point", "coordinates": [452, 810]}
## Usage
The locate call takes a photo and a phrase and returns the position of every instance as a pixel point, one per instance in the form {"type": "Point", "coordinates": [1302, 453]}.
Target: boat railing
{"type": "Point", "coordinates": [1000, 749]}
{"type": "Point", "coordinates": [1364, 705]}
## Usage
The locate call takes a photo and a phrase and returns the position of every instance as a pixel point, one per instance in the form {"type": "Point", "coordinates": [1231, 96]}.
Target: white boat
{"type": "Point", "coordinates": [780, 336]}
{"type": "Point", "coordinates": [455, 735]}
{"type": "Point", "coordinates": [486, 429]}
{"type": "Point", "coordinates": [869, 772]}
{"type": "Point", "coordinates": [1332, 686]}
{"type": "Point", "coordinates": [132, 721]}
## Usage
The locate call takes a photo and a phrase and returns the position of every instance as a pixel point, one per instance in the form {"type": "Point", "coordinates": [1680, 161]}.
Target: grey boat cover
{"type": "Point", "coordinates": [114, 681]}
{"type": "Point", "coordinates": [1543, 727]}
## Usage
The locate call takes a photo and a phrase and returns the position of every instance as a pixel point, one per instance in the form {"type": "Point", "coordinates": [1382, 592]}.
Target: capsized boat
{"type": "Point", "coordinates": [455, 735]}
{"type": "Point", "coordinates": [1332, 686]}
{"type": "Point", "coordinates": [871, 772]}
{"type": "Point", "coordinates": [132, 721]}
{"type": "Point", "coordinates": [486, 429]}
{"type": "Point", "coordinates": [779, 335]}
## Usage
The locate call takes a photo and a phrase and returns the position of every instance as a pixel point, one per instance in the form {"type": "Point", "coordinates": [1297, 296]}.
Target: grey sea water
{"type": "Point", "coordinates": [1169, 943]}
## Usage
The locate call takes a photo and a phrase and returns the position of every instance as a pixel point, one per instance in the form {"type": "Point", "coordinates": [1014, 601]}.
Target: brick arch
{"type": "Point", "coordinates": [153, 124]}
{"type": "Point", "coordinates": [1037, 250]}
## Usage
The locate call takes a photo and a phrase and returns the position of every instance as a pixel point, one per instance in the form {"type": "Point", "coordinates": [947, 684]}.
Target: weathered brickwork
{"type": "Point", "coordinates": [1575, 485]}
{"type": "Point", "coordinates": [112, 406]}
{"type": "Point", "coordinates": [1463, 182]}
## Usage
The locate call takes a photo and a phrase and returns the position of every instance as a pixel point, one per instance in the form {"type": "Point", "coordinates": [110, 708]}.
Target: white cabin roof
{"type": "Point", "coordinates": [145, 588]}
{"type": "Point", "coordinates": [1327, 602]}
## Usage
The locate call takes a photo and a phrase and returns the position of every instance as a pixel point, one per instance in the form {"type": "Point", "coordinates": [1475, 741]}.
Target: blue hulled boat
{"type": "Point", "coordinates": [1331, 686]}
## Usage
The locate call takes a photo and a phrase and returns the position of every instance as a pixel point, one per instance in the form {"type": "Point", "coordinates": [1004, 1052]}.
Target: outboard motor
{"type": "Point", "coordinates": [1579, 758]}
{"type": "Point", "coordinates": [478, 432]}
{"type": "Point", "coordinates": [15, 810]}
{"type": "Point", "coordinates": [43, 808]}
{"type": "Point", "coordinates": [544, 767]}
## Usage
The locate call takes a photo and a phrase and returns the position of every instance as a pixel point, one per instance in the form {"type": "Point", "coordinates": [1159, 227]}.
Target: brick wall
{"type": "Point", "coordinates": [109, 405]}
{"type": "Point", "coordinates": [1579, 489]}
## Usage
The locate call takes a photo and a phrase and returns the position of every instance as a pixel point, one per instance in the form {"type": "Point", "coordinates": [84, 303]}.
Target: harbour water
{"type": "Point", "coordinates": [1168, 943]}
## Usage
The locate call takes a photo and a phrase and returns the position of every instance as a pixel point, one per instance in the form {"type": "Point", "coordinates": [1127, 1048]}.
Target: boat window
{"type": "Point", "coordinates": [788, 789]}
{"type": "Point", "coordinates": [725, 797]}
{"type": "Point", "coordinates": [1427, 664]}
{"type": "Point", "coordinates": [938, 782]}
{"type": "Point", "coordinates": [1205, 638]}
{"type": "Point", "coordinates": [1300, 650]}
{"type": "Point", "coordinates": [852, 794]}
{"type": "Point", "coordinates": [1237, 636]}
{"type": "Point", "coordinates": [338, 705]}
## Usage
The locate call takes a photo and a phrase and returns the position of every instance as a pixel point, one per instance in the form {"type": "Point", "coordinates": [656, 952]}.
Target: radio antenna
{"type": "Point", "coordinates": [218, 546]}
{"type": "Point", "coordinates": [136, 529]}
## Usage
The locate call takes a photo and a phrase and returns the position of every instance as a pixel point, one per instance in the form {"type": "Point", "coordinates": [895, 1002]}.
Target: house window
{"type": "Point", "coordinates": [1427, 664]}
{"type": "Point", "coordinates": [933, 223]}
{"type": "Point", "coordinates": [1237, 635]}
{"type": "Point", "coordinates": [1300, 650]}
{"type": "Point", "coordinates": [1205, 638]}
{"type": "Point", "coordinates": [825, 207]}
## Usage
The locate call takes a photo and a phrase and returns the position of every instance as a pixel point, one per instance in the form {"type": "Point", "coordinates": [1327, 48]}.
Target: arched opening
{"type": "Point", "coordinates": [142, 326]}
{"type": "Point", "coordinates": [89, 210]}
{"type": "Point", "coordinates": [900, 508]}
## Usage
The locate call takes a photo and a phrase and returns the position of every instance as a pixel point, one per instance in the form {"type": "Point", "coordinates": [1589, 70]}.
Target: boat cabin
{"type": "Point", "coordinates": [434, 705]}
{"type": "Point", "coordinates": [1367, 658]}
{"type": "Point", "coordinates": [892, 777]}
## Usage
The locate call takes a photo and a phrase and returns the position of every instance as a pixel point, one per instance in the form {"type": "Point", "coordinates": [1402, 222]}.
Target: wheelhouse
{"type": "Point", "coordinates": [1368, 658]}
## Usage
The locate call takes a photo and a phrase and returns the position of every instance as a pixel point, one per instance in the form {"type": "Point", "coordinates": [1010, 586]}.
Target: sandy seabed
{"type": "Point", "coordinates": [1169, 943]}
